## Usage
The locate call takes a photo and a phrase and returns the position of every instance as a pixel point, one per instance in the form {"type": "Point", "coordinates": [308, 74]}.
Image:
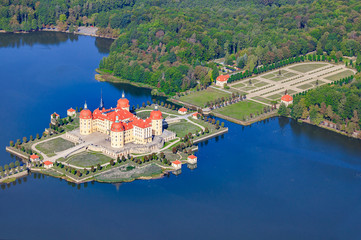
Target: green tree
{"type": "Point", "coordinates": [283, 110]}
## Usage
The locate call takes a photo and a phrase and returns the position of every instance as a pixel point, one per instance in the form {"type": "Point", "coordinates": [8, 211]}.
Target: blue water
{"type": "Point", "coordinates": [273, 180]}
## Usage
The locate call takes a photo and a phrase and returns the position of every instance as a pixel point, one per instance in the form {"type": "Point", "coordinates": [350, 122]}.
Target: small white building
{"type": "Point", "coordinates": [48, 164]}
{"type": "Point", "coordinates": [34, 157]}
{"type": "Point", "coordinates": [192, 159]}
{"type": "Point", "coordinates": [195, 115]}
{"type": "Point", "coordinates": [182, 111]}
{"type": "Point", "coordinates": [71, 112]}
{"type": "Point", "coordinates": [222, 80]}
{"type": "Point", "coordinates": [54, 117]}
{"type": "Point", "coordinates": [177, 164]}
{"type": "Point", "coordinates": [287, 100]}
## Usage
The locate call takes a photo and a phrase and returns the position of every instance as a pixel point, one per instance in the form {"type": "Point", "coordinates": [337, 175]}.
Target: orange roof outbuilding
{"type": "Point", "coordinates": [287, 98]}
{"type": "Point", "coordinates": [222, 78]}
{"type": "Point", "coordinates": [71, 110]}
{"type": "Point", "coordinates": [34, 156]}
{"type": "Point", "coordinates": [47, 163]}
{"type": "Point", "coordinates": [183, 109]}
{"type": "Point", "coordinates": [192, 157]}
{"type": "Point", "coordinates": [177, 162]}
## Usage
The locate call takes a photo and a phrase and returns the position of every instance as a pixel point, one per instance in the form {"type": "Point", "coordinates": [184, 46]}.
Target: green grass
{"type": "Point", "coordinates": [88, 159]}
{"type": "Point", "coordinates": [143, 115]}
{"type": "Point", "coordinates": [319, 82]}
{"type": "Point", "coordinates": [289, 74]}
{"type": "Point", "coordinates": [268, 76]}
{"type": "Point", "coordinates": [308, 67]}
{"type": "Point", "coordinates": [278, 78]}
{"type": "Point", "coordinates": [261, 99]}
{"type": "Point", "coordinates": [305, 86]}
{"type": "Point", "coordinates": [340, 75]}
{"type": "Point", "coordinates": [55, 145]}
{"type": "Point", "coordinates": [261, 84]}
{"type": "Point", "coordinates": [290, 92]}
{"type": "Point", "coordinates": [248, 88]}
{"type": "Point", "coordinates": [200, 98]}
{"type": "Point", "coordinates": [238, 85]}
{"type": "Point", "coordinates": [183, 128]}
{"type": "Point", "coordinates": [241, 109]}
{"type": "Point", "coordinates": [275, 96]}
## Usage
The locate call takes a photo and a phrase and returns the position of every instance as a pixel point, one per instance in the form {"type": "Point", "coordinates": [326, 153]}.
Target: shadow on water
{"type": "Point", "coordinates": [47, 39]}
{"type": "Point", "coordinates": [44, 38]}
{"type": "Point", "coordinates": [103, 44]}
{"type": "Point", "coordinates": [40, 176]}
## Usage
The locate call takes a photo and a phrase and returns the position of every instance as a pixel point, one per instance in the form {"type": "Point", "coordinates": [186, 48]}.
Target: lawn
{"type": "Point", "coordinates": [261, 99]}
{"type": "Point", "coordinates": [248, 88]}
{"type": "Point", "coordinates": [55, 145]}
{"type": "Point", "coordinates": [340, 75]}
{"type": "Point", "coordinates": [275, 96]}
{"type": "Point", "coordinates": [144, 115]}
{"type": "Point", "coordinates": [200, 98]}
{"type": "Point", "coordinates": [305, 86]}
{"type": "Point", "coordinates": [268, 76]}
{"type": "Point", "coordinates": [88, 159]}
{"type": "Point", "coordinates": [303, 68]}
{"type": "Point", "coordinates": [241, 109]}
{"type": "Point", "coordinates": [289, 74]}
{"type": "Point", "coordinates": [261, 84]}
{"type": "Point", "coordinates": [278, 78]}
{"type": "Point", "coordinates": [238, 85]}
{"type": "Point", "coordinates": [183, 128]}
{"type": "Point", "coordinates": [319, 82]}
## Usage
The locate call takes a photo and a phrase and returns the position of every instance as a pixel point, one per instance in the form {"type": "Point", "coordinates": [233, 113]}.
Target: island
{"type": "Point", "coordinates": [116, 144]}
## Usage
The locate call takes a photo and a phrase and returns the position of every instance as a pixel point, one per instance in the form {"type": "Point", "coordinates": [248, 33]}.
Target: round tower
{"type": "Point", "coordinates": [117, 134]}
{"type": "Point", "coordinates": [157, 121]}
{"type": "Point", "coordinates": [123, 103]}
{"type": "Point", "coordinates": [85, 121]}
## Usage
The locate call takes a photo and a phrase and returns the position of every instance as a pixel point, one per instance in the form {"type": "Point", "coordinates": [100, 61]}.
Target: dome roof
{"type": "Point", "coordinates": [85, 114]}
{"type": "Point", "coordinates": [156, 115]}
{"type": "Point", "coordinates": [123, 103]}
{"type": "Point", "coordinates": [287, 98]}
{"type": "Point", "coordinates": [117, 127]}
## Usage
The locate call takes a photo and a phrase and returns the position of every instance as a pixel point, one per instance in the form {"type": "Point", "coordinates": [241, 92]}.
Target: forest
{"type": "Point", "coordinates": [168, 44]}
{"type": "Point", "coordinates": [338, 103]}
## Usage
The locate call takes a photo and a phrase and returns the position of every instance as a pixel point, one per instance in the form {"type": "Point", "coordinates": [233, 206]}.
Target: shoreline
{"type": "Point", "coordinates": [55, 30]}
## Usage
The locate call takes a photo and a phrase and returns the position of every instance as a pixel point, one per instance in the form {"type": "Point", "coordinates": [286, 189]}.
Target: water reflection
{"type": "Point", "coordinates": [17, 40]}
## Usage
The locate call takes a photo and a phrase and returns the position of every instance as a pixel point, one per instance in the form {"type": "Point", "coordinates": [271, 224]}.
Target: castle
{"type": "Point", "coordinates": [120, 124]}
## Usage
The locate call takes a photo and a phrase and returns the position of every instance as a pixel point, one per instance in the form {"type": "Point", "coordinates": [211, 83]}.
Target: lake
{"type": "Point", "coordinates": [276, 179]}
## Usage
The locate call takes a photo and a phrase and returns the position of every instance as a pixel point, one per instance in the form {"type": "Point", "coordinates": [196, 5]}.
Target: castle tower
{"type": "Point", "coordinates": [157, 121]}
{"type": "Point", "coordinates": [85, 121]}
{"type": "Point", "coordinates": [123, 103]}
{"type": "Point", "coordinates": [117, 134]}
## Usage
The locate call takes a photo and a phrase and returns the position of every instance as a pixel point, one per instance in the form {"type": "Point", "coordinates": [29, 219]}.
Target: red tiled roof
{"type": "Point", "coordinates": [34, 156]}
{"type": "Point", "coordinates": [287, 98]}
{"type": "Point", "coordinates": [192, 157]}
{"type": "Point", "coordinates": [85, 114]}
{"type": "Point", "coordinates": [123, 103]}
{"type": "Point", "coordinates": [177, 162]}
{"type": "Point", "coordinates": [71, 110]}
{"type": "Point", "coordinates": [55, 114]}
{"type": "Point", "coordinates": [156, 115]}
{"type": "Point", "coordinates": [223, 78]}
{"type": "Point", "coordinates": [183, 109]}
{"type": "Point", "coordinates": [47, 163]}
